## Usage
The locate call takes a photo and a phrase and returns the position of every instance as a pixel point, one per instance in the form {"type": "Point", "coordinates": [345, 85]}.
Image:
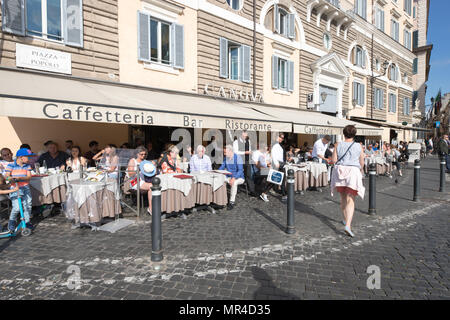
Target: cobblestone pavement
{"type": "Point", "coordinates": [245, 254]}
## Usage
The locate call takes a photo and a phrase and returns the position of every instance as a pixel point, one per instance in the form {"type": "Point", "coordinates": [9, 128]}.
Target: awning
{"type": "Point", "coordinates": [313, 122]}
{"type": "Point", "coordinates": [395, 126]}
{"type": "Point", "coordinates": [29, 94]}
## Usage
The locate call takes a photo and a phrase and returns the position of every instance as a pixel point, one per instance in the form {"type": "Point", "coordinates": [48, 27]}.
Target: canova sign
{"type": "Point", "coordinates": [234, 94]}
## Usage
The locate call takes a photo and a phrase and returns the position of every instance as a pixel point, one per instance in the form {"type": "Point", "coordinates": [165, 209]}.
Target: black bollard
{"type": "Point", "coordinates": [442, 179]}
{"type": "Point", "coordinates": [290, 203]}
{"type": "Point", "coordinates": [416, 180]}
{"type": "Point", "coordinates": [372, 189]}
{"type": "Point", "coordinates": [157, 252]}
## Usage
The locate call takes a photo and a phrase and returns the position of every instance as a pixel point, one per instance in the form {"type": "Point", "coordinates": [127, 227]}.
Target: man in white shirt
{"type": "Point", "coordinates": [243, 147]}
{"type": "Point", "coordinates": [319, 149]}
{"type": "Point", "coordinates": [278, 159]}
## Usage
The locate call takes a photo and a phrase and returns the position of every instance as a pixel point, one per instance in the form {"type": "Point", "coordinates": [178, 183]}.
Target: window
{"type": "Point", "coordinates": [415, 65]}
{"type": "Point", "coordinates": [359, 57]}
{"type": "Point", "coordinates": [235, 4]}
{"type": "Point", "coordinates": [395, 30]}
{"type": "Point", "coordinates": [378, 97]}
{"type": "Point", "coordinates": [234, 61]}
{"type": "Point", "coordinates": [359, 93]}
{"type": "Point", "coordinates": [414, 12]}
{"type": "Point", "coordinates": [327, 42]}
{"type": "Point", "coordinates": [405, 78]}
{"type": "Point", "coordinates": [282, 74]}
{"type": "Point", "coordinates": [284, 22]}
{"type": "Point", "coordinates": [407, 39]}
{"type": "Point", "coordinates": [377, 65]}
{"type": "Point", "coordinates": [392, 103]}
{"type": "Point", "coordinates": [379, 18]}
{"type": "Point", "coordinates": [361, 8]}
{"type": "Point", "coordinates": [393, 73]}
{"type": "Point", "coordinates": [406, 106]}
{"type": "Point", "coordinates": [160, 41]}
{"type": "Point", "coordinates": [407, 6]}
{"type": "Point", "coordinates": [58, 20]}
{"type": "Point", "coordinates": [415, 39]}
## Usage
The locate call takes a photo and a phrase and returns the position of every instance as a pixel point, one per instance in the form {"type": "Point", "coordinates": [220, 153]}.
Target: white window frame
{"type": "Point", "coordinates": [407, 38]}
{"type": "Point", "coordinates": [285, 63]}
{"type": "Point", "coordinates": [395, 34]}
{"type": "Point", "coordinates": [44, 33]}
{"type": "Point", "coordinates": [408, 105]}
{"type": "Point", "coordinates": [283, 18]}
{"type": "Point", "coordinates": [394, 101]}
{"type": "Point", "coordinates": [378, 20]}
{"type": "Point", "coordinates": [159, 44]}
{"type": "Point", "coordinates": [359, 99]}
{"type": "Point", "coordinates": [232, 45]}
{"type": "Point", "coordinates": [362, 55]}
{"type": "Point", "coordinates": [393, 76]}
{"type": "Point", "coordinates": [378, 98]}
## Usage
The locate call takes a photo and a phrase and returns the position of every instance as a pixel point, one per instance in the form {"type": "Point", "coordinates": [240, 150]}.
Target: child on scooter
{"type": "Point", "coordinates": [20, 171]}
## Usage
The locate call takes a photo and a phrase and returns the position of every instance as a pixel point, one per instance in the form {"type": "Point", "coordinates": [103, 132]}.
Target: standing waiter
{"type": "Point", "coordinates": [242, 147]}
{"type": "Point", "coordinates": [279, 160]}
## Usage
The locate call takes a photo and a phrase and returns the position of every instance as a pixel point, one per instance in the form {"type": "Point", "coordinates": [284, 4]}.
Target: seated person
{"type": "Point", "coordinates": [53, 157]}
{"type": "Point", "coordinates": [110, 160]}
{"type": "Point", "coordinates": [76, 160]}
{"type": "Point", "coordinates": [169, 162]}
{"type": "Point", "coordinates": [234, 164]}
{"type": "Point", "coordinates": [93, 150]}
{"type": "Point", "coordinates": [290, 155]}
{"type": "Point", "coordinates": [5, 188]}
{"type": "Point", "coordinates": [200, 161]}
{"type": "Point", "coordinates": [308, 154]}
{"type": "Point", "coordinates": [7, 158]}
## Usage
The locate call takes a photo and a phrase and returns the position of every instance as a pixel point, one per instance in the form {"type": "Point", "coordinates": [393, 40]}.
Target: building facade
{"type": "Point", "coordinates": [421, 66]}
{"type": "Point", "coordinates": [66, 38]}
{"type": "Point", "coordinates": [348, 59]}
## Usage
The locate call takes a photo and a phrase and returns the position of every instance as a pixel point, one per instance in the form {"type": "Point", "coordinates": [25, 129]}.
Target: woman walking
{"type": "Point", "coordinates": [346, 178]}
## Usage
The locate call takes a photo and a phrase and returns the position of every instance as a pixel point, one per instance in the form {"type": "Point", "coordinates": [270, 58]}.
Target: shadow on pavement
{"type": "Point", "coordinates": [271, 220]}
{"type": "Point", "coordinates": [268, 290]}
{"type": "Point", "coordinates": [324, 219]}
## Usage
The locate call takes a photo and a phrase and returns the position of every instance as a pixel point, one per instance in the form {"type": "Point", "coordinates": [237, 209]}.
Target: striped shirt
{"type": "Point", "coordinates": [17, 171]}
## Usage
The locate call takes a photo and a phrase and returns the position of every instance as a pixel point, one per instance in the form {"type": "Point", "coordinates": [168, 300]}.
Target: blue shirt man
{"type": "Point", "coordinates": [234, 164]}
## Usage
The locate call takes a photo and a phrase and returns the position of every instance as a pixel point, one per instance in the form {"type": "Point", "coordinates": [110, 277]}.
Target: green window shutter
{"type": "Point", "coordinates": [223, 63]}
{"type": "Point", "coordinates": [13, 17]}
{"type": "Point", "coordinates": [143, 37]}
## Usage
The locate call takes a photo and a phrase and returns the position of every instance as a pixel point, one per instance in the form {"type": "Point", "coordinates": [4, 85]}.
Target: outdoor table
{"type": "Point", "coordinates": [176, 193]}
{"type": "Point", "coordinates": [91, 201]}
{"type": "Point", "coordinates": [300, 176]}
{"type": "Point", "coordinates": [48, 189]}
{"type": "Point", "coordinates": [210, 187]}
{"type": "Point", "coordinates": [318, 174]}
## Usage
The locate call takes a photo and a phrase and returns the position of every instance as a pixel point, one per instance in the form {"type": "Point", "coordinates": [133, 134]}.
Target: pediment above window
{"type": "Point", "coordinates": [166, 5]}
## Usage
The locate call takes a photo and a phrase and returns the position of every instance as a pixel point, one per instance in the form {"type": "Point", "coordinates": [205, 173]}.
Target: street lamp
{"type": "Point", "coordinates": [323, 96]}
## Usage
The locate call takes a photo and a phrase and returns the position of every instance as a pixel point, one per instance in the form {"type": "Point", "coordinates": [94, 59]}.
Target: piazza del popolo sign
{"type": "Point", "coordinates": [37, 58]}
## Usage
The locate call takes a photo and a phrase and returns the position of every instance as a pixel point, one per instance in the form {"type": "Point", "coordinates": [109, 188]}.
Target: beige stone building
{"type": "Point", "coordinates": [67, 39]}
{"type": "Point", "coordinates": [303, 66]}
{"type": "Point", "coordinates": [421, 65]}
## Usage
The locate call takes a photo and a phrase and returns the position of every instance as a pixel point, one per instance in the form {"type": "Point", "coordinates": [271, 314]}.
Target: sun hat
{"type": "Point", "coordinates": [147, 168]}
{"type": "Point", "coordinates": [24, 153]}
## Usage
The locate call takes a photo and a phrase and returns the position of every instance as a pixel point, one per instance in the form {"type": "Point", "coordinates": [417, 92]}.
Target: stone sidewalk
{"type": "Point", "coordinates": [245, 254]}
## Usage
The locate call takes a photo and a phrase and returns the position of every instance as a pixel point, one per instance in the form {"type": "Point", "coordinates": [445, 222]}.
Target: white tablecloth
{"type": "Point", "coordinates": [169, 182]}
{"type": "Point", "coordinates": [81, 190]}
{"type": "Point", "coordinates": [45, 185]}
{"type": "Point", "coordinates": [216, 180]}
{"type": "Point", "coordinates": [316, 169]}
